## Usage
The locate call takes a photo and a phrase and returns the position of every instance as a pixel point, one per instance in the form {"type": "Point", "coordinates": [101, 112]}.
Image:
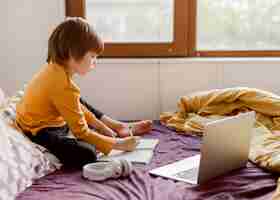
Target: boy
{"type": "Point", "coordinates": [52, 105]}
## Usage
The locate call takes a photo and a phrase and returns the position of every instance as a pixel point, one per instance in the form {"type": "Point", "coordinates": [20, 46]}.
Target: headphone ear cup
{"type": "Point", "coordinates": [117, 170]}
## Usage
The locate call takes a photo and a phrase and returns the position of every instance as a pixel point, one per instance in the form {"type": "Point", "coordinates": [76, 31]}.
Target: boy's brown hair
{"type": "Point", "coordinates": [74, 37]}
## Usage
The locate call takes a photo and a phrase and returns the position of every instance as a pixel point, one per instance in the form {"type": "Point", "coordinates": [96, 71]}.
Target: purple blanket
{"type": "Point", "coordinates": [247, 183]}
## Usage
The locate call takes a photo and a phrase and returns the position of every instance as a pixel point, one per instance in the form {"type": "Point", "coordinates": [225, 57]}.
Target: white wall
{"type": "Point", "coordinates": [144, 88]}
{"type": "Point", "coordinates": [28, 25]}
{"type": "Point", "coordinates": [124, 88]}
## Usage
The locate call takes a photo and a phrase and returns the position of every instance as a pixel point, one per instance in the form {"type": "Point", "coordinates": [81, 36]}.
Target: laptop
{"type": "Point", "coordinates": [225, 147]}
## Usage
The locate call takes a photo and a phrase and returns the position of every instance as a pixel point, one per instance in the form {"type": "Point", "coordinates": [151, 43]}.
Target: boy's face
{"type": "Point", "coordinates": [85, 65]}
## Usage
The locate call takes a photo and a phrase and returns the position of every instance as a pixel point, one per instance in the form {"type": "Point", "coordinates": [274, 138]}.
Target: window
{"type": "Point", "coordinates": [238, 27]}
{"type": "Point", "coordinates": [123, 21]}
{"type": "Point", "coordinates": [181, 28]}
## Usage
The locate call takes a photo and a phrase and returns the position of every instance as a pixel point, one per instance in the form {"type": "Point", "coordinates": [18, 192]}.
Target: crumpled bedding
{"type": "Point", "coordinates": [196, 109]}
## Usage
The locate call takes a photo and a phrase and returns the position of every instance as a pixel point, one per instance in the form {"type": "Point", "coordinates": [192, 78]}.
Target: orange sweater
{"type": "Point", "coordinates": [52, 99]}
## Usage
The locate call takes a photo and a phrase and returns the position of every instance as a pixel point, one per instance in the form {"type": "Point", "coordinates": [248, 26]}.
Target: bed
{"type": "Point", "coordinates": [247, 183]}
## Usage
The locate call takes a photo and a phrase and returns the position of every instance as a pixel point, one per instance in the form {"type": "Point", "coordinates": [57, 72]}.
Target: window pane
{"type": "Point", "coordinates": [238, 25]}
{"type": "Point", "coordinates": [132, 20]}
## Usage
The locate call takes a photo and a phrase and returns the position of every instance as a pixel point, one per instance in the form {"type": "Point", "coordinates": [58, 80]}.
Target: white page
{"type": "Point", "coordinates": [142, 154]}
{"type": "Point", "coordinates": [147, 144]}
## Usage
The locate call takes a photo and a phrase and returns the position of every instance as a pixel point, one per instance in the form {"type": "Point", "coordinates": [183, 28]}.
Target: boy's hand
{"type": "Point", "coordinates": [127, 144]}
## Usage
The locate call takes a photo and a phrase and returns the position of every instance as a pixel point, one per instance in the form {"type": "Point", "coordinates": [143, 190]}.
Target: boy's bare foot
{"type": "Point", "coordinates": [138, 128]}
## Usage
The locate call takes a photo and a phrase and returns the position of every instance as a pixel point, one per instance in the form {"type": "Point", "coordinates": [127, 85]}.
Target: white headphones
{"type": "Point", "coordinates": [100, 171]}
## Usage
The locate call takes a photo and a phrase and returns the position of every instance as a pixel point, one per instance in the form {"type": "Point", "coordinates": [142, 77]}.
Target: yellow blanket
{"type": "Point", "coordinates": [197, 109]}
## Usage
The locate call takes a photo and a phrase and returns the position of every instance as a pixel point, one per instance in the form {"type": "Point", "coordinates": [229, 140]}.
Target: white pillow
{"type": "Point", "coordinates": [2, 96]}
{"type": "Point", "coordinates": [8, 112]}
{"type": "Point", "coordinates": [8, 105]}
{"type": "Point", "coordinates": [4, 141]}
{"type": "Point", "coordinates": [20, 162]}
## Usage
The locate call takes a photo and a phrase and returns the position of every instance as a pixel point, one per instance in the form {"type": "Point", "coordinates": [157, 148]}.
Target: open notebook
{"type": "Point", "coordinates": [142, 154]}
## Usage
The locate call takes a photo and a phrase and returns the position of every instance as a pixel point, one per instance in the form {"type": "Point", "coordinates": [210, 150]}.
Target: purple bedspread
{"type": "Point", "coordinates": [247, 183]}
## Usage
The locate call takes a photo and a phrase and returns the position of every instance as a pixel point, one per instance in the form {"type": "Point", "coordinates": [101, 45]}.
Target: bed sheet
{"type": "Point", "coordinates": [247, 183]}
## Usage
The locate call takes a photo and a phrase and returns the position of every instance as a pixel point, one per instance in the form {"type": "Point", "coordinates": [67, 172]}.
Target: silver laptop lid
{"type": "Point", "coordinates": [225, 145]}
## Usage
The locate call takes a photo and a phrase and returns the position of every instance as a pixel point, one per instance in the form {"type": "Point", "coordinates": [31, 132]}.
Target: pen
{"type": "Point", "coordinates": [130, 130]}
{"type": "Point", "coordinates": [114, 135]}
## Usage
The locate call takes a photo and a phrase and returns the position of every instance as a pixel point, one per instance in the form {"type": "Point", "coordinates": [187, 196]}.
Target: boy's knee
{"type": "Point", "coordinates": [77, 153]}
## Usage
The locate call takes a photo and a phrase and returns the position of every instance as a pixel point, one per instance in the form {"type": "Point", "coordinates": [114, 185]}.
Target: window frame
{"type": "Point", "coordinates": [184, 44]}
{"type": "Point", "coordinates": [177, 48]}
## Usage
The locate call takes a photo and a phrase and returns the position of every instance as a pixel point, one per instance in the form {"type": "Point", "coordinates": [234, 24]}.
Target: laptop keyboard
{"type": "Point", "coordinates": [190, 174]}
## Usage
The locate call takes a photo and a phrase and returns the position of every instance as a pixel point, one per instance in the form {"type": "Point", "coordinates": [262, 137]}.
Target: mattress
{"type": "Point", "coordinates": [246, 183]}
